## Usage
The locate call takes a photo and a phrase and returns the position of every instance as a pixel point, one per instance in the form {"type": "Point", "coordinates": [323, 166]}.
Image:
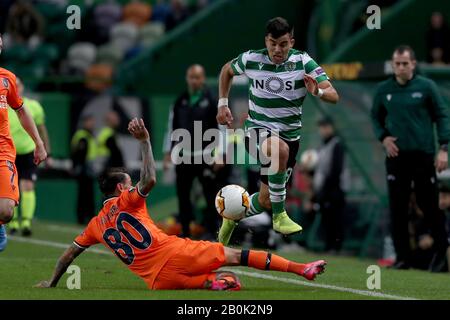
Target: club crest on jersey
{"type": "Point", "coordinates": [260, 65]}
{"type": "Point", "coordinates": [290, 66]}
{"type": "Point", "coordinates": [417, 95]}
{"type": "Point", "coordinates": [5, 83]}
{"type": "Point", "coordinates": [389, 97]}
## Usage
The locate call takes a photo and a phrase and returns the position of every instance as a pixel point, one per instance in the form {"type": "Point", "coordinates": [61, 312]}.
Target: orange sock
{"type": "Point", "coordinates": [266, 261]}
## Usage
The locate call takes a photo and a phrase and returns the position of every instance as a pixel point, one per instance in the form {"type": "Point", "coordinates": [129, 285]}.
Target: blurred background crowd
{"type": "Point", "coordinates": [131, 58]}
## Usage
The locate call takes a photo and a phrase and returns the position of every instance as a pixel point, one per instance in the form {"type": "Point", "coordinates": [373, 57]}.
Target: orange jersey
{"type": "Point", "coordinates": [125, 227]}
{"type": "Point", "coordinates": [8, 96]}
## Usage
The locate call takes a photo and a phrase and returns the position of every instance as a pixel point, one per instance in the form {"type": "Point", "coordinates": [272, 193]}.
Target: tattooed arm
{"type": "Point", "coordinates": [61, 266]}
{"type": "Point", "coordinates": [148, 172]}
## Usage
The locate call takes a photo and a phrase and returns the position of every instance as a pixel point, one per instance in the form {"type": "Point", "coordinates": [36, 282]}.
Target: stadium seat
{"type": "Point", "coordinates": [124, 36]}
{"type": "Point", "coordinates": [48, 52]}
{"type": "Point", "coordinates": [17, 53]}
{"type": "Point", "coordinates": [81, 56]}
{"type": "Point", "coordinates": [137, 12]}
{"type": "Point", "coordinates": [150, 33]}
{"type": "Point", "coordinates": [107, 14]}
{"type": "Point", "coordinates": [109, 54]}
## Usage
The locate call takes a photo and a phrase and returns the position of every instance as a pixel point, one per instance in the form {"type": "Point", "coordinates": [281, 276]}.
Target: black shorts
{"type": "Point", "coordinates": [261, 135]}
{"type": "Point", "coordinates": [26, 168]}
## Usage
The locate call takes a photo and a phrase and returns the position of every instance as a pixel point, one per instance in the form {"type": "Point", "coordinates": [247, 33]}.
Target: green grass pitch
{"type": "Point", "coordinates": [103, 276]}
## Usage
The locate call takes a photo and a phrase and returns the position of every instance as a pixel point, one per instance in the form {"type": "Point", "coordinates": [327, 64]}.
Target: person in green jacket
{"type": "Point", "coordinates": [26, 168]}
{"type": "Point", "coordinates": [406, 109]}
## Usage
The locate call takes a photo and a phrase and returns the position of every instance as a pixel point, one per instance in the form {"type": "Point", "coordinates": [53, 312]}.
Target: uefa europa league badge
{"type": "Point", "coordinates": [5, 82]}
{"type": "Point", "coordinates": [290, 66]}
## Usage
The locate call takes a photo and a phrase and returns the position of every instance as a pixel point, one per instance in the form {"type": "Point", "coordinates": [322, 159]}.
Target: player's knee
{"type": "Point", "coordinates": [283, 151]}
{"type": "Point", "coordinates": [6, 212]}
{"type": "Point", "coordinates": [26, 185]}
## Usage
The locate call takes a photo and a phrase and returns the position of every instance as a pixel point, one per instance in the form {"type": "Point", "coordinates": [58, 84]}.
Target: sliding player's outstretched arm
{"type": "Point", "coordinates": [61, 266]}
{"type": "Point", "coordinates": [148, 172]}
{"type": "Point", "coordinates": [224, 115]}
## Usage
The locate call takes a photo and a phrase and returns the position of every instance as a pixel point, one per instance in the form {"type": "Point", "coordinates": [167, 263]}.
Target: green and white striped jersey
{"type": "Point", "coordinates": [277, 92]}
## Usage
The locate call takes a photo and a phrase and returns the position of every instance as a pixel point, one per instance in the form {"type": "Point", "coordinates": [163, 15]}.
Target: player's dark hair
{"type": "Point", "coordinates": [278, 27]}
{"type": "Point", "coordinates": [109, 179]}
{"type": "Point", "coordinates": [405, 48]}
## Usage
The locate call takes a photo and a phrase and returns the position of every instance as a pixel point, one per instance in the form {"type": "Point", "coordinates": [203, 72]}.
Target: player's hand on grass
{"type": "Point", "coordinates": [137, 129]}
{"type": "Point", "coordinates": [224, 116]}
{"type": "Point", "coordinates": [311, 84]}
{"type": "Point", "coordinates": [39, 154]}
{"type": "Point", "coordinates": [441, 162]}
{"type": "Point", "coordinates": [390, 146]}
{"type": "Point", "coordinates": [43, 284]}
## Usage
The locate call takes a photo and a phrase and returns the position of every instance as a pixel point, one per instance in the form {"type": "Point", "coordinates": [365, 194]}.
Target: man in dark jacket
{"type": "Point", "coordinates": [196, 106]}
{"type": "Point", "coordinates": [329, 184]}
{"type": "Point", "coordinates": [404, 112]}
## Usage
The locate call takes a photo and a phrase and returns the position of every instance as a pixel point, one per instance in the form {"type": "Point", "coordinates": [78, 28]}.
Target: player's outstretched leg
{"type": "Point", "coordinates": [263, 260]}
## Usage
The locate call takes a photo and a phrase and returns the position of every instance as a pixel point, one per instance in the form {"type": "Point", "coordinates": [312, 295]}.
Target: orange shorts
{"type": "Point", "coordinates": [191, 266]}
{"type": "Point", "coordinates": [9, 187]}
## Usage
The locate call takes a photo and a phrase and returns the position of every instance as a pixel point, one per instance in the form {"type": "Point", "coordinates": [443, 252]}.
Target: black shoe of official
{"type": "Point", "coordinates": [26, 232]}
{"type": "Point", "coordinates": [400, 265]}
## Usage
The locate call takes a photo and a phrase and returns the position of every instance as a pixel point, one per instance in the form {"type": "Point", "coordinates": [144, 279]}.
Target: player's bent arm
{"type": "Point", "coordinates": [148, 172]}
{"type": "Point", "coordinates": [330, 94]}
{"type": "Point", "coordinates": [224, 115]}
{"type": "Point", "coordinates": [42, 129]}
{"type": "Point", "coordinates": [61, 266]}
{"type": "Point", "coordinates": [28, 124]}
{"type": "Point", "coordinates": [225, 80]}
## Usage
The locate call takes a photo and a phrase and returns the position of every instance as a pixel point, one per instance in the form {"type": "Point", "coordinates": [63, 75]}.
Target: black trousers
{"type": "Point", "coordinates": [402, 171]}
{"type": "Point", "coordinates": [332, 211]}
{"type": "Point", "coordinates": [185, 175]}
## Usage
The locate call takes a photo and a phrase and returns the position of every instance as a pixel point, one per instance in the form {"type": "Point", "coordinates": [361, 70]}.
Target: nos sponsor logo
{"type": "Point", "coordinates": [274, 85]}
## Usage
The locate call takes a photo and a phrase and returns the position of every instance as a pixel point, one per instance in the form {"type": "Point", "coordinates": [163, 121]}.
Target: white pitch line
{"type": "Point", "coordinates": [53, 244]}
{"type": "Point", "coordinates": [240, 272]}
{"type": "Point", "coordinates": [324, 286]}
{"type": "Point", "coordinates": [55, 227]}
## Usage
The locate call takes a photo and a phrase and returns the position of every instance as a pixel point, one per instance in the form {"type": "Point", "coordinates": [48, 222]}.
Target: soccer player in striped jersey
{"type": "Point", "coordinates": [280, 78]}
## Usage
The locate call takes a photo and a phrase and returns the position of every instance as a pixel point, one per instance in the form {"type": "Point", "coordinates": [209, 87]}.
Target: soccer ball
{"type": "Point", "coordinates": [232, 202]}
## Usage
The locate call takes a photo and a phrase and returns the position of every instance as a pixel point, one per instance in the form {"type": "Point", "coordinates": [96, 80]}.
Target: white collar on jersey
{"type": "Point", "coordinates": [104, 202]}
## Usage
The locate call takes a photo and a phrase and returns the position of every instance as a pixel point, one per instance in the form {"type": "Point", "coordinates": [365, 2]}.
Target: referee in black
{"type": "Point", "coordinates": [194, 104]}
{"type": "Point", "coordinates": [405, 109]}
